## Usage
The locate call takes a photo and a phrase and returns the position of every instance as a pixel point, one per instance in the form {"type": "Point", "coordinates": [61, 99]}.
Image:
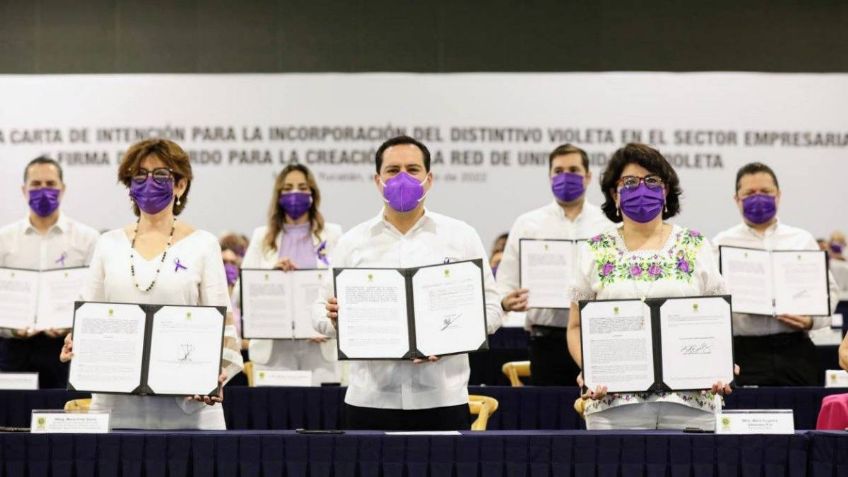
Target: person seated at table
{"type": "Point", "coordinates": [772, 351]}
{"type": "Point", "coordinates": [164, 261]}
{"type": "Point", "coordinates": [295, 236]}
{"type": "Point", "coordinates": [644, 257]}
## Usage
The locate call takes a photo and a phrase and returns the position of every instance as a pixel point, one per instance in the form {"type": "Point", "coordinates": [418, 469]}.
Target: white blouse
{"type": "Point", "coordinates": [684, 266]}
{"type": "Point", "coordinates": [192, 274]}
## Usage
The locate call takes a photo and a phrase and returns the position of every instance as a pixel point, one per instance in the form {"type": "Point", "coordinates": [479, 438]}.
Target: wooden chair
{"type": "Point", "coordinates": [514, 370]}
{"type": "Point", "coordinates": [248, 371]}
{"type": "Point", "coordinates": [78, 405]}
{"type": "Point", "coordinates": [483, 407]}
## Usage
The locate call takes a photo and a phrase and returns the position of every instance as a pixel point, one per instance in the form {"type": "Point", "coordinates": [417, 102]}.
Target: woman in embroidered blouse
{"type": "Point", "coordinates": [644, 257]}
{"type": "Point", "coordinates": [160, 260]}
{"type": "Point", "coordinates": [296, 237]}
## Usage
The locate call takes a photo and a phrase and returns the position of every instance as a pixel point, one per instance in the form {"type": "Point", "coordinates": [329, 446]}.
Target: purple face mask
{"type": "Point", "coordinates": [232, 273]}
{"type": "Point", "coordinates": [836, 247]}
{"type": "Point", "coordinates": [403, 192]}
{"type": "Point", "coordinates": [642, 204]}
{"type": "Point", "coordinates": [759, 208]}
{"type": "Point", "coordinates": [295, 204]}
{"type": "Point", "coordinates": [567, 186]}
{"type": "Point", "coordinates": [151, 196]}
{"type": "Point", "coordinates": [44, 201]}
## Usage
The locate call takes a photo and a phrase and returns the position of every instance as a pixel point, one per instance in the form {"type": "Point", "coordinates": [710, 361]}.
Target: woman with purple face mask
{"type": "Point", "coordinates": [644, 257]}
{"type": "Point", "coordinates": [160, 260]}
{"type": "Point", "coordinates": [295, 237]}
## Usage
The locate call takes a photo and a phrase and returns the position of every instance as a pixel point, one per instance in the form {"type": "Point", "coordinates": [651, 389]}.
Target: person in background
{"type": "Point", "coordinates": [836, 246]}
{"type": "Point", "coordinates": [568, 216]}
{"type": "Point", "coordinates": [46, 238]}
{"type": "Point", "coordinates": [233, 249]}
{"type": "Point", "coordinates": [406, 395]}
{"type": "Point", "coordinates": [295, 237]}
{"type": "Point", "coordinates": [160, 260]}
{"type": "Point", "coordinates": [835, 249]}
{"type": "Point", "coordinates": [497, 252]}
{"type": "Point", "coordinates": [644, 257]}
{"type": "Point", "coordinates": [771, 350]}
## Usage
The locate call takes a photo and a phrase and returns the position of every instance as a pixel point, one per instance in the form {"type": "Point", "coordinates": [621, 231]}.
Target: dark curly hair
{"type": "Point", "coordinates": [654, 162]}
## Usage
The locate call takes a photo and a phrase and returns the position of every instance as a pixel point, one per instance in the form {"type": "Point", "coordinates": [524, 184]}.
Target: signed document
{"type": "Point", "coordinates": [546, 269]}
{"type": "Point", "coordinates": [277, 304]}
{"type": "Point", "coordinates": [39, 299]}
{"type": "Point", "coordinates": [697, 342]}
{"type": "Point", "coordinates": [659, 344]}
{"type": "Point", "coordinates": [412, 312]}
{"type": "Point", "coordinates": [147, 349]}
{"type": "Point", "coordinates": [776, 282]}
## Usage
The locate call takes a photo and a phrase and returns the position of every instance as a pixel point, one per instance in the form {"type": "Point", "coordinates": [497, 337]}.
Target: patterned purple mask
{"type": "Point", "coordinates": [44, 201]}
{"type": "Point", "coordinates": [642, 204]}
{"type": "Point", "coordinates": [151, 196]}
{"type": "Point", "coordinates": [759, 208]}
{"type": "Point", "coordinates": [567, 186]}
{"type": "Point", "coordinates": [295, 204]}
{"type": "Point", "coordinates": [403, 192]}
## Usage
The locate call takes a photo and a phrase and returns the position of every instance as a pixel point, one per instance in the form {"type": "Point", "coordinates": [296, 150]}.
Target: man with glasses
{"type": "Point", "coordinates": [45, 239]}
{"type": "Point", "coordinates": [771, 351]}
{"type": "Point", "coordinates": [568, 216]}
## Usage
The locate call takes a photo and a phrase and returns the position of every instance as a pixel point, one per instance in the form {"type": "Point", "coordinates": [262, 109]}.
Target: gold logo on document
{"type": "Point", "coordinates": [66, 274]}
{"type": "Point", "coordinates": [546, 247]}
{"type": "Point", "coordinates": [188, 316]}
{"type": "Point", "coordinates": [12, 275]}
{"type": "Point", "coordinates": [41, 422]}
{"type": "Point", "coordinates": [370, 277]}
{"type": "Point", "coordinates": [320, 276]}
{"type": "Point", "coordinates": [833, 378]}
{"type": "Point", "coordinates": [266, 277]}
{"type": "Point", "coordinates": [111, 312]}
{"type": "Point", "coordinates": [447, 273]}
{"type": "Point", "coordinates": [695, 307]}
{"type": "Point", "coordinates": [725, 423]}
{"type": "Point", "coordinates": [615, 310]}
{"type": "Point", "coordinates": [799, 257]}
{"type": "Point", "coordinates": [261, 374]}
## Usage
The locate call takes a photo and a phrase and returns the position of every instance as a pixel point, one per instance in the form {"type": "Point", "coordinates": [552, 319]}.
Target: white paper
{"type": "Point", "coordinates": [57, 291]}
{"type": "Point", "coordinates": [185, 350]}
{"type": "Point", "coordinates": [108, 347]}
{"type": "Point", "coordinates": [800, 283]}
{"type": "Point", "coordinates": [759, 421]}
{"type": "Point", "coordinates": [266, 304]}
{"type": "Point", "coordinates": [18, 298]}
{"type": "Point", "coordinates": [697, 342]}
{"type": "Point", "coordinates": [26, 381]}
{"type": "Point", "coordinates": [749, 279]}
{"type": "Point", "coordinates": [278, 304]}
{"type": "Point", "coordinates": [450, 312]}
{"type": "Point", "coordinates": [282, 377]}
{"type": "Point", "coordinates": [372, 319]}
{"type": "Point", "coordinates": [546, 269]}
{"type": "Point", "coordinates": [61, 422]}
{"type": "Point", "coordinates": [616, 343]}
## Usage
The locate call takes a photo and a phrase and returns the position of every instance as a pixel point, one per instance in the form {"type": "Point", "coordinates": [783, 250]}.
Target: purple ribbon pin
{"type": "Point", "coordinates": [321, 253]}
{"type": "Point", "coordinates": [61, 259]}
{"type": "Point", "coordinates": [178, 265]}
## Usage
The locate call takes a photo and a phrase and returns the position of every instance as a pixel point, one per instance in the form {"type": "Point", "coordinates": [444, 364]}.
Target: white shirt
{"type": "Point", "coordinates": [777, 237]}
{"type": "Point", "coordinates": [67, 243]}
{"type": "Point", "coordinates": [548, 222]}
{"type": "Point", "coordinates": [432, 240]}
{"type": "Point", "coordinates": [200, 280]}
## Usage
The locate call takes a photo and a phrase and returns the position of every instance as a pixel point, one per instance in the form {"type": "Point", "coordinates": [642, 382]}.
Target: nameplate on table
{"type": "Point", "coordinates": [74, 422]}
{"type": "Point", "coordinates": [756, 421]}
{"type": "Point", "coordinates": [21, 381]}
{"type": "Point", "coordinates": [835, 378]}
{"type": "Point", "coordinates": [836, 320]}
{"type": "Point", "coordinates": [281, 377]}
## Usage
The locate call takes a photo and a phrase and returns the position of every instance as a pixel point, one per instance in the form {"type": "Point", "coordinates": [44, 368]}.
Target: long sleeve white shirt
{"type": "Point", "coordinates": [548, 222]}
{"type": "Point", "coordinates": [777, 237]}
{"type": "Point", "coordinates": [67, 243]}
{"type": "Point", "coordinates": [434, 239]}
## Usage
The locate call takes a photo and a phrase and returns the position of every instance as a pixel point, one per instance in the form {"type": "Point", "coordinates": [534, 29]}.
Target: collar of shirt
{"type": "Point", "coordinates": [380, 224]}
{"type": "Point", "coordinates": [61, 226]}
{"type": "Point", "coordinates": [768, 232]}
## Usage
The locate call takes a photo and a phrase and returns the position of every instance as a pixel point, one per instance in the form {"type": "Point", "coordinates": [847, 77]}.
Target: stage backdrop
{"type": "Point", "coordinates": [490, 135]}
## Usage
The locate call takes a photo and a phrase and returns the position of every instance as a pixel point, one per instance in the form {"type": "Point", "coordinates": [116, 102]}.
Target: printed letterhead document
{"type": "Point", "coordinates": [546, 269]}
{"type": "Point", "coordinates": [412, 312]}
{"type": "Point", "coordinates": [39, 299]}
{"type": "Point", "coordinates": [277, 304]}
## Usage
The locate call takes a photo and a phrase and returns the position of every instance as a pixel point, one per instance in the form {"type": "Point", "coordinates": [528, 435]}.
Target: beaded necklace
{"type": "Point", "coordinates": [159, 267]}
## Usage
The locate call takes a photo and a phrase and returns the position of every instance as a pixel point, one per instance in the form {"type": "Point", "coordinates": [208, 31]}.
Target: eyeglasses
{"type": "Point", "coordinates": [632, 182]}
{"type": "Point", "coordinates": [161, 175]}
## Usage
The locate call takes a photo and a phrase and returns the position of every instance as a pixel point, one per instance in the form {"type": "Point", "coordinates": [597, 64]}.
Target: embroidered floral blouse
{"type": "Point", "coordinates": [684, 266]}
